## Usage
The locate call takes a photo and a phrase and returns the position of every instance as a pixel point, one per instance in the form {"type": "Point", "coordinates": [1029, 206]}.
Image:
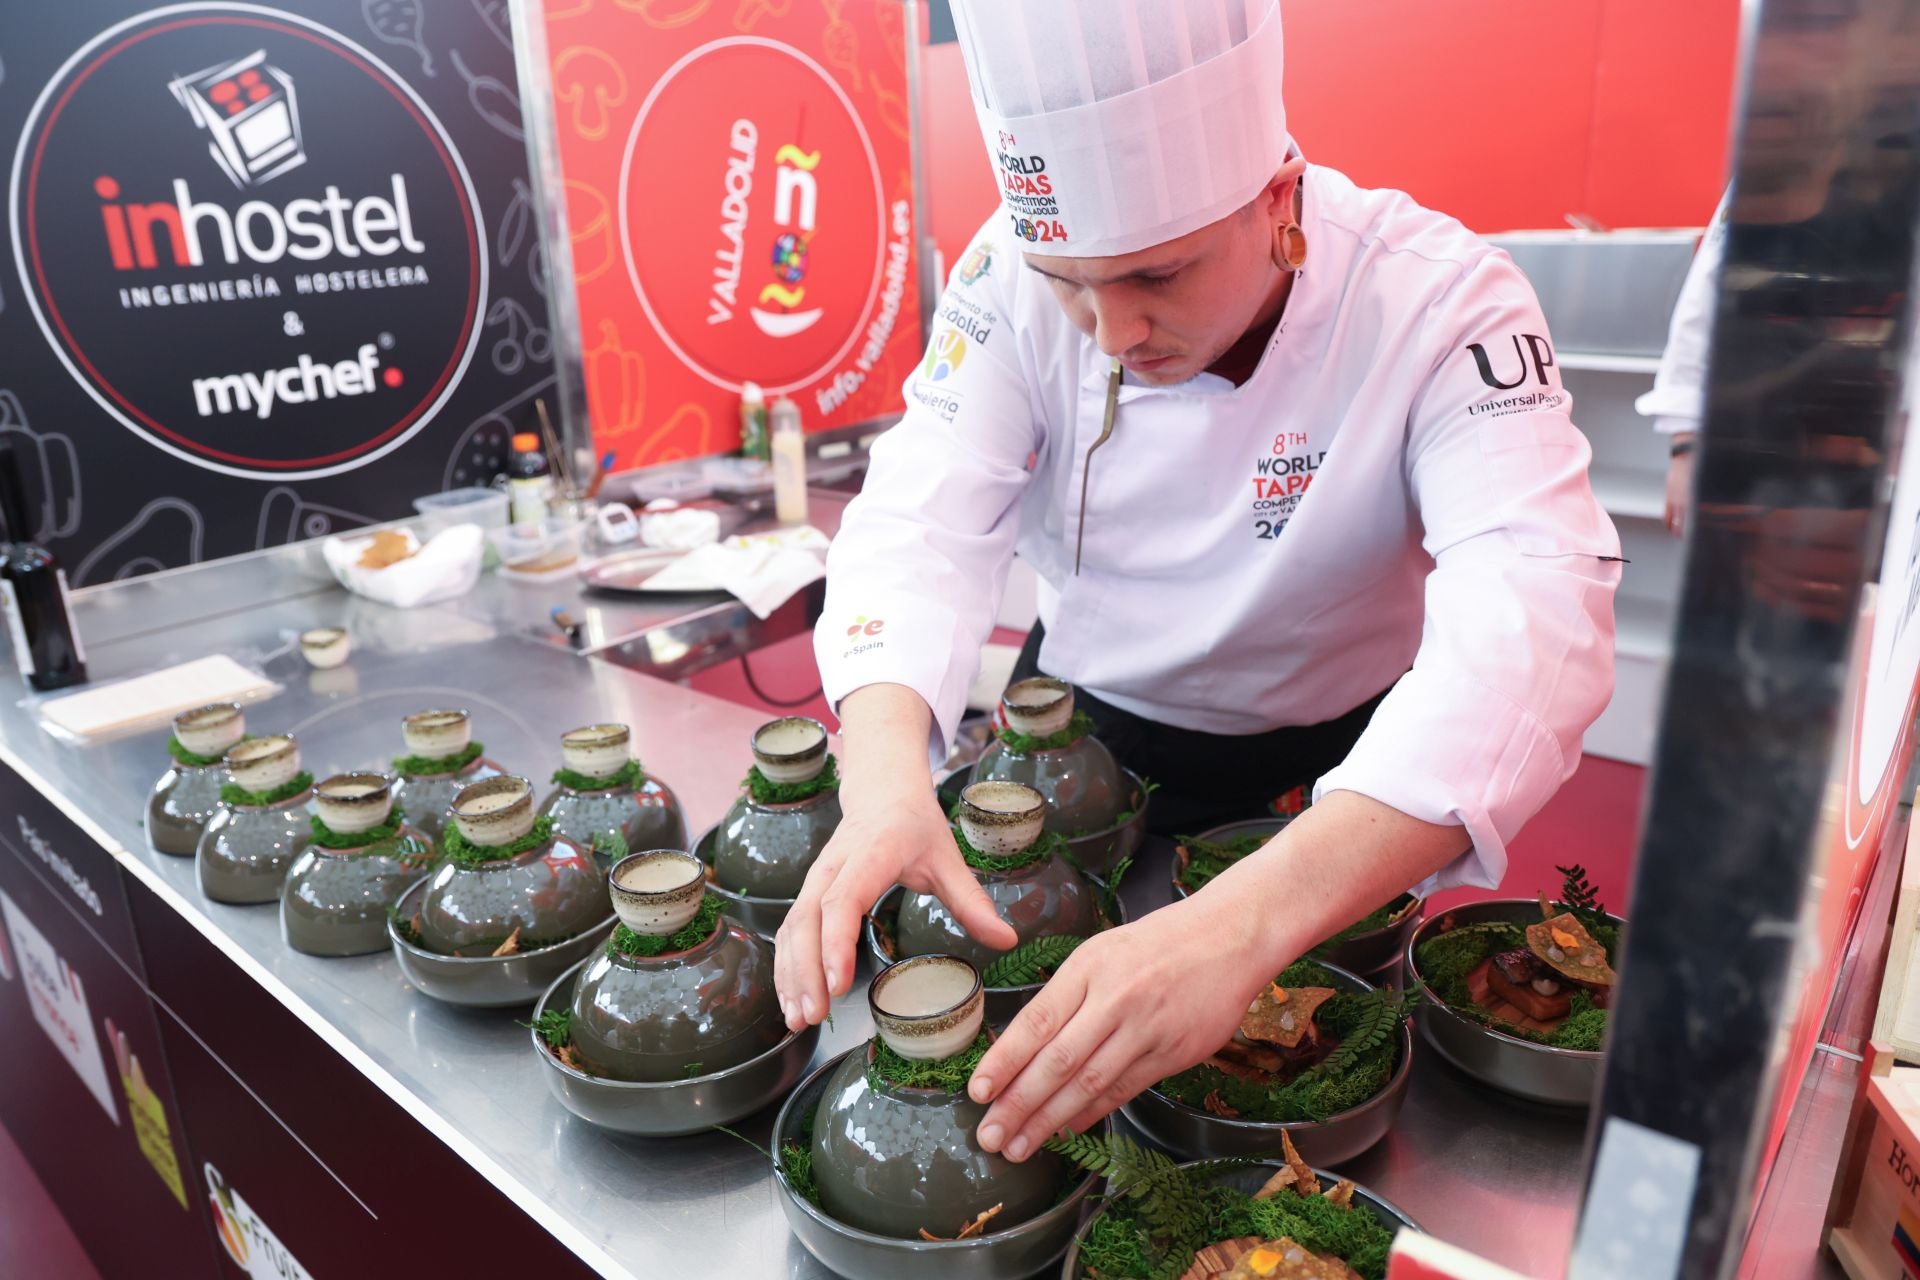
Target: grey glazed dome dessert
{"type": "Point", "coordinates": [1085, 788]}
{"type": "Point", "coordinates": [680, 991]}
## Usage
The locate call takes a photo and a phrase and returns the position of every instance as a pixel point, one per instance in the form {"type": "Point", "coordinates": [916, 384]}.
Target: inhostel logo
{"type": "Point", "coordinates": [254, 194]}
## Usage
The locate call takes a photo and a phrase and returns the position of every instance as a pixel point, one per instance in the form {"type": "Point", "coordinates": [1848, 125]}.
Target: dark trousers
{"type": "Point", "coordinates": [1207, 779]}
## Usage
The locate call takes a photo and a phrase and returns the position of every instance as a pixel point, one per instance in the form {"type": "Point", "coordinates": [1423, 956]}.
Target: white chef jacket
{"type": "Point", "coordinates": [1678, 399]}
{"type": "Point", "coordinates": [1396, 494]}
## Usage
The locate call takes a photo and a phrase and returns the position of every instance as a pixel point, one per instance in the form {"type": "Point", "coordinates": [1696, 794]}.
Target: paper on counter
{"type": "Point", "coordinates": [155, 697]}
{"type": "Point", "coordinates": [763, 570]}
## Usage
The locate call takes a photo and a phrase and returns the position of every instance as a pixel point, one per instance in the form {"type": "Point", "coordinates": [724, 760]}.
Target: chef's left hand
{"type": "Point", "coordinates": [1129, 1007]}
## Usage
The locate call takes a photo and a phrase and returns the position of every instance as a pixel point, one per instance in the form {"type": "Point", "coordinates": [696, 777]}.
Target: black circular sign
{"type": "Point", "coordinates": [249, 240]}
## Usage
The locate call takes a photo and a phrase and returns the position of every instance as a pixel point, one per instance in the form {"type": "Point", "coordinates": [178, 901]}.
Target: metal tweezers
{"type": "Point", "coordinates": [1086, 468]}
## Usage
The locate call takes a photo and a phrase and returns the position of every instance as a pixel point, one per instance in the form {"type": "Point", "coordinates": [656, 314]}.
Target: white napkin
{"type": "Point", "coordinates": [763, 570]}
{"type": "Point", "coordinates": [152, 698]}
{"type": "Point", "coordinates": [447, 566]}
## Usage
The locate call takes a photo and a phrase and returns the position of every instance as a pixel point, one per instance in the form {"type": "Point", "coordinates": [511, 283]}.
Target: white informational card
{"type": "Point", "coordinates": [59, 1004]}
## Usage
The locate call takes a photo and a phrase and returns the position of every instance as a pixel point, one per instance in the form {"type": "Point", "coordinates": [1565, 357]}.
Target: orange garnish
{"type": "Point", "coordinates": [1264, 1261]}
{"type": "Point", "coordinates": [1279, 994]}
{"type": "Point", "coordinates": [1566, 940]}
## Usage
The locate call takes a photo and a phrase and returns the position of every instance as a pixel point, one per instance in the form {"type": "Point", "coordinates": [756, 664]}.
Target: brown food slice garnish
{"type": "Point", "coordinates": [1304, 1180]}
{"type": "Point", "coordinates": [1284, 1259]}
{"type": "Point", "coordinates": [1581, 958]}
{"type": "Point", "coordinates": [511, 946]}
{"type": "Point", "coordinates": [1283, 1015]}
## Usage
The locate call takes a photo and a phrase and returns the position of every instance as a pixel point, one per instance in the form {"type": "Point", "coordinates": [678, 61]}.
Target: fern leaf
{"type": "Point", "coordinates": [1030, 962]}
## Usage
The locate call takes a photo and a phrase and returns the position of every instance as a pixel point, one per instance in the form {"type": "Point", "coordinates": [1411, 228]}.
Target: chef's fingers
{"type": "Point", "coordinates": [955, 885]}
{"type": "Point", "coordinates": [1089, 1093]}
{"type": "Point", "coordinates": [1134, 1081]}
{"type": "Point", "coordinates": [796, 952]}
{"type": "Point", "coordinates": [843, 909]}
{"type": "Point", "coordinates": [1049, 1039]}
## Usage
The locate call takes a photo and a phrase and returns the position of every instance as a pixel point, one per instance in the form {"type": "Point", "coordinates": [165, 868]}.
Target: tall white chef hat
{"type": "Point", "coordinates": [1119, 124]}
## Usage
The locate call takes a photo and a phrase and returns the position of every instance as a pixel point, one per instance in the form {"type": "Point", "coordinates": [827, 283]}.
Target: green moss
{"type": "Point", "coordinates": [327, 838]}
{"type": "Point", "coordinates": [1353, 1235]}
{"type": "Point", "coordinates": [696, 931]}
{"type": "Point", "coordinates": [555, 1026]}
{"type": "Point", "coordinates": [433, 766]}
{"type": "Point", "coordinates": [404, 926]}
{"type": "Point", "coordinates": [1119, 1247]}
{"type": "Point", "coordinates": [796, 1161]}
{"type": "Point", "coordinates": [462, 852]}
{"type": "Point", "coordinates": [1445, 960]}
{"type": "Point", "coordinates": [765, 790]}
{"type": "Point", "coordinates": [193, 760]}
{"type": "Point", "coordinates": [1157, 1215]}
{"type": "Point", "coordinates": [1367, 1027]}
{"type": "Point", "coordinates": [1049, 844]}
{"type": "Point", "coordinates": [628, 775]}
{"type": "Point", "coordinates": [235, 794]}
{"type": "Point", "coordinates": [1024, 744]}
{"type": "Point", "coordinates": [948, 1074]}
{"type": "Point", "coordinates": [1208, 858]}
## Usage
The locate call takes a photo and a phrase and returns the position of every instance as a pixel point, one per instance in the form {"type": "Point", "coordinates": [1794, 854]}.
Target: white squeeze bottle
{"type": "Point", "coordinates": [789, 463]}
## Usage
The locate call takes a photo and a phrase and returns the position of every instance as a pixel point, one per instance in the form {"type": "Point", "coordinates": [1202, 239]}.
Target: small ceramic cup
{"type": "Point", "coordinates": [437, 733]}
{"type": "Point", "coordinates": [325, 647]}
{"type": "Point", "coordinates": [596, 750]}
{"type": "Point", "coordinates": [261, 764]}
{"type": "Point", "coordinates": [928, 1007]}
{"type": "Point", "coordinates": [353, 802]}
{"type": "Point", "coordinates": [1039, 707]}
{"type": "Point", "coordinates": [657, 892]}
{"type": "Point", "coordinates": [790, 749]}
{"type": "Point", "coordinates": [1001, 818]}
{"type": "Point", "coordinates": [210, 730]}
{"type": "Point", "coordinates": [494, 811]}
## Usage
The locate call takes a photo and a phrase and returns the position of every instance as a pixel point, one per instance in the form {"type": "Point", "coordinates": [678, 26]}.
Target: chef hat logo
{"type": "Point", "coordinates": [1115, 125]}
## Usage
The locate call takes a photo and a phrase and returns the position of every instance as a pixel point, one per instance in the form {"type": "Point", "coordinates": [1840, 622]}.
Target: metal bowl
{"type": "Point", "coordinates": [1097, 853]}
{"type": "Point", "coordinates": [1364, 953]}
{"type": "Point", "coordinates": [1003, 1003]}
{"type": "Point", "coordinates": [1199, 1135]}
{"type": "Point", "coordinates": [762, 915]}
{"type": "Point", "coordinates": [662, 1109]}
{"type": "Point", "coordinates": [1561, 1077]}
{"type": "Point", "coordinates": [488, 982]}
{"type": "Point", "coordinates": [1250, 1178]}
{"type": "Point", "coordinates": [1019, 1251]}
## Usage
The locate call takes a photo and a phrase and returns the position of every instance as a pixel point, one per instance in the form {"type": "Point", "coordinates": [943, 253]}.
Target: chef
{"type": "Point", "coordinates": [1276, 446]}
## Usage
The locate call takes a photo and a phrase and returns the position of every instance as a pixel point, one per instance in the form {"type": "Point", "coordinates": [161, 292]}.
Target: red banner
{"type": "Point", "coordinates": [739, 198]}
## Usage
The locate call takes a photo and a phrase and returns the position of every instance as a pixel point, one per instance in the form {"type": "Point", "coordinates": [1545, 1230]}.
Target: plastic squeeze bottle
{"type": "Point", "coordinates": [789, 463]}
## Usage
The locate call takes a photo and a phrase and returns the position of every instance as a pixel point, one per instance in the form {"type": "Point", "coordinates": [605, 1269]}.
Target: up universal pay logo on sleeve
{"type": "Point", "coordinates": [1522, 370]}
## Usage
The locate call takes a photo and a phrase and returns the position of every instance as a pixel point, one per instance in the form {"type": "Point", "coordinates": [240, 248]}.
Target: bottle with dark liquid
{"type": "Point", "coordinates": [33, 594]}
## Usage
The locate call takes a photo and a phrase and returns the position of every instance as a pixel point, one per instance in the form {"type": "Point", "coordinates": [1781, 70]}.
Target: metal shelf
{"type": "Point", "coordinates": [1599, 362]}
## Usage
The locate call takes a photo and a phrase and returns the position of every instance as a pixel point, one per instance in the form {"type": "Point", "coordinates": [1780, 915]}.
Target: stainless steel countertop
{"type": "Point", "coordinates": [1490, 1173]}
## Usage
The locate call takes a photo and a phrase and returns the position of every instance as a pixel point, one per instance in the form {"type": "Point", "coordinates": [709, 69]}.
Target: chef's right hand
{"type": "Point", "coordinates": [891, 832]}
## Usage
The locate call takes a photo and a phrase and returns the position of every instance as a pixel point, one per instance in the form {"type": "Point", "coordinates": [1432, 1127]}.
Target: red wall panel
{"type": "Point", "coordinates": [1505, 113]}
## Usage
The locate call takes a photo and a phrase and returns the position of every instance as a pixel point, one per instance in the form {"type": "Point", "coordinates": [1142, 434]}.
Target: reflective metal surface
{"type": "Point", "coordinates": [1479, 1168]}
{"type": "Point", "coordinates": [1811, 345]}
